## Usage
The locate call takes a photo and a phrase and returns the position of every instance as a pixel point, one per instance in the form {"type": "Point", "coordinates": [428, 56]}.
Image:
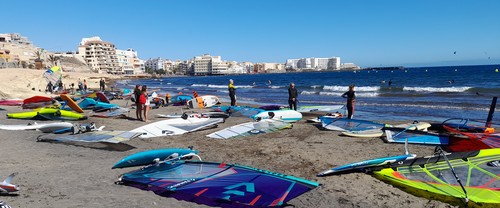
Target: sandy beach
{"type": "Point", "coordinates": [62, 175]}
{"type": "Point", "coordinates": [18, 82]}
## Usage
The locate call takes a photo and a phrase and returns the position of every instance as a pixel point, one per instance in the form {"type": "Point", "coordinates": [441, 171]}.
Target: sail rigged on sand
{"type": "Point", "coordinates": [218, 184]}
{"type": "Point", "coordinates": [450, 177]}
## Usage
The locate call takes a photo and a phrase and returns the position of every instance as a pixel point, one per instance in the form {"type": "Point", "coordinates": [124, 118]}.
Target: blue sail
{"type": "Point", "coordinates": [218, 184]}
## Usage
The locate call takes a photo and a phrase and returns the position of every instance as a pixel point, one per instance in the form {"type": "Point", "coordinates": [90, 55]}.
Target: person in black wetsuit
{"type": "Point", "coordinates": [292, 96]}
{"type": "Point", "coordinates": [351, 97]}
{"type": "Point", "coordinates": [232, 92]}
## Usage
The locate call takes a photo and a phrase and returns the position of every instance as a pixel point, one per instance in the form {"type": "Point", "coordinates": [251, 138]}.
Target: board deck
{"type": "Point", "coordinates": [71, 103]}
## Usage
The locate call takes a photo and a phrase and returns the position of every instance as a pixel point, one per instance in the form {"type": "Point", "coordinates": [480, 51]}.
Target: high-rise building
{"type": "Point", "coordinates": [99, 55]}
{"type": "Point", "coordinates": [334, 63]}
{"type": "Point", "coordinates": [208, 65]}
{"type": "Point", "coordinates": [154, 64]}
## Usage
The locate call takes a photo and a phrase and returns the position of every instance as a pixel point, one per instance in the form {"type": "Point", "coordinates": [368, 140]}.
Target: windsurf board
{"type": "Point", "coordinates": [151, 156]}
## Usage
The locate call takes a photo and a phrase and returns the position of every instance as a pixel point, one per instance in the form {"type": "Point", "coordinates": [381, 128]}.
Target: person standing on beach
{"type": "Point", "coordinates": [49, 87]}
{"type": "Point", "coordinates": [232, 92]}
{"type": "Point", "coordinates": [85, 85]}
{"type": "Point", "coordinates": [292, 96]}
{"type": "Point", "coordinates": [138, 105]}
{"type": "Point", "coordinates": [80, 85]}
{"type": "Point", "coordinates": [351, 97]}
{"type": "Point", "coordinates": [146, 104]}
{"type": "Point", "coordinates": [102, 85]}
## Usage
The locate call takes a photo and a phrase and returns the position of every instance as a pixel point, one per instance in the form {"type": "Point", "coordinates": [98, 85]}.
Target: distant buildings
{"type": "Point", "coordinates": [102, 56]}
{"type": "Point", "coordinates": [99, 55]}
{"type": "Point", "coordinates": [208, 65]}
{"type": "Point", "coordinates": [313, 64]}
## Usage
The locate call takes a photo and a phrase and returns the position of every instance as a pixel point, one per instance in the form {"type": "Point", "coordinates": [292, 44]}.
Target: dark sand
{"type": "Point", "coordinates": [62, 175]}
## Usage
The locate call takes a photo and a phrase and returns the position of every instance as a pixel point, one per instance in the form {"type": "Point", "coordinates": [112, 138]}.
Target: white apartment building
{"type": "Point", "coordinates": [154, 64]}
{"type": "Point", "coordinates": [99, 55]}
{"type": "Point", "coordinates": [304, 63]}
{"type": "Point", "coordinates": [333, 63]}
{"type": "Point", "coordinates": [219, 67]}
{"type": "Point", "coordinates": [124, 63]}
{"type": "Point", "coordinates": [291, 63]}
{"type": "Point", "coordinates": [209, 65]}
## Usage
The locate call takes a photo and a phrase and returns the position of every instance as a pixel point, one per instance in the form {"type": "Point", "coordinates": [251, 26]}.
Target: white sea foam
{"type": "Point", "coordinates": [437, 89]}
{"type": "Point", "coordinates": [316, 86]}
{"type": "Point", "coordinates": [225, 86]}
{"type": "Point", "coordinates": [198, 85]}
{"type": "Point", "coordinates": [275, 87]}
{"type": "Point", "coordinates": [358, 94]}
{"type": "Point", "coordinates": [357, 89]}
{"type": "Point", "coordinates": [308, 93]}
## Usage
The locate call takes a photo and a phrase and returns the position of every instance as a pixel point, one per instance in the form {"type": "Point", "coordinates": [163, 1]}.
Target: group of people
{"type": "Point", "coordinates": [142, 103]}
{"type": "Point", "coordinates": [293, 94]}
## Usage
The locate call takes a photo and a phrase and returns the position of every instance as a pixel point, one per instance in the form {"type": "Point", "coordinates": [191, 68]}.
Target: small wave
{"type": "Point", "coordinates": [309, 93]}
{"type": "Point", "coordinates": [316, 86]}
{"type": "Point", "coordinates": [365, 94]}
{"type": "Point", "coordinates": [275, 87]}
{"type": "Point", "coordinates": [357, 89]}
{"type": "Point", "coordinates": [199, 85]}
{"type": "Point", "coordinates": [437, 89]}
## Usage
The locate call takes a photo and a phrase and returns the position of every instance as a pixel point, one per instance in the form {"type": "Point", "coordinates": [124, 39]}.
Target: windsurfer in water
{"type": "Point", "coordinates": [351, 97]}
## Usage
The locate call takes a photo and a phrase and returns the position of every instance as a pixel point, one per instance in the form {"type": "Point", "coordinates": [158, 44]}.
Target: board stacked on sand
{"type": "Point", "coordinates": [319, 108]}
{"type": "Point", "coordinates": [176, 126]}
{"type": "Point", "coordinates": [205, 101]}
{"type": "Point", "coordinates": [421, 126]}
{"type": "Point", "coordinates": [205, 115]}
{"type": "Point", "coordinates": [250, 128]}
{"type": "Point", "coordinates": [71, 103]}
{"type": "Point", "coordinates": [48, 114]}
{"type": "Point", "coordinates": [151, 157]}
{"type": "Point", "coordinates": [43, 127]}
{"type": "Point", "coordinates": [285, 115]}
{"type": "Point", "coordinates": [329, 115]}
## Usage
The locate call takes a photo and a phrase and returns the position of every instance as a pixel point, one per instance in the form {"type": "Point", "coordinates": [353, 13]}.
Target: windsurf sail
{"type": "Point", "coordinates": [360, 166]}
{"type": "Point", "coordinates": [250, 128]}
{"type": "Point", "coordinates": [467, 141]}
{"type": "Point", "coordinates": [345, 124]}
{"type": "Point", "coordinates": [438, 177]}
{"type": "Point", "coordinates": [218, 184]}
{"type": "Point", "coordinates": [97, 136]}
{"type": "Point", "coordinates": [400, 135]}
{"type": "Point", "coordinates": [53, 75]}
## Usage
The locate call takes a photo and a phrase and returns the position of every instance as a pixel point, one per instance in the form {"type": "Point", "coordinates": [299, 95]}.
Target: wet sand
{"type": "Point", "coordinates": [62, 175]}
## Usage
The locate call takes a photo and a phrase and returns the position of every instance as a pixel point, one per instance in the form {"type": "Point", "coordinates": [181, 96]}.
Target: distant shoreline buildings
{"type": "Point", "coordinates": [94, 54]}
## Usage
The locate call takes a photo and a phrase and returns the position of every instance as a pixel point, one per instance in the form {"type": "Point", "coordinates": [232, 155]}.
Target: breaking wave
{"type": "Point", "coordinates": [437, 89]}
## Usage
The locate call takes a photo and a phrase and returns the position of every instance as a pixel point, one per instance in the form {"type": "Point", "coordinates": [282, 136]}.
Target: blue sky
{"type": "Point", "coordinates": [368, 33]}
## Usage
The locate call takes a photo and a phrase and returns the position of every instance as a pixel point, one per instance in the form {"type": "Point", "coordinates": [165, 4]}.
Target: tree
{"type": "Point", "coordinates": [53, 59]}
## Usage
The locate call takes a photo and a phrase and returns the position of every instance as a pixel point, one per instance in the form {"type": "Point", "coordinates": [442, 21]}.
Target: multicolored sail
{"type": "Point", "coordinates": [218, 184]}
{"type": "Point", "coordinates": [452, 178]}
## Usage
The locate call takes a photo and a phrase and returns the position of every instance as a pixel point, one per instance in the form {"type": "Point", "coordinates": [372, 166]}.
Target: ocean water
{"type": "Point", "coordinates": [425, 93]}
